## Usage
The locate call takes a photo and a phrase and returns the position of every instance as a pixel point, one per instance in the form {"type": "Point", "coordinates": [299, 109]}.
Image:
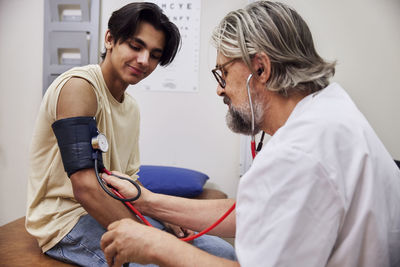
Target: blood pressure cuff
{"type": "Point", "coordinates": [74, 138]}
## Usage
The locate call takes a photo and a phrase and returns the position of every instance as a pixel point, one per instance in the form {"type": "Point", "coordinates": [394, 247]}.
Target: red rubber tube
{"type": "Point", "coordinates": [128, 203]}
{"type": "Point", "coordinates": [212, 226]}
{"type": "Point", "coordinates": [147, 222]}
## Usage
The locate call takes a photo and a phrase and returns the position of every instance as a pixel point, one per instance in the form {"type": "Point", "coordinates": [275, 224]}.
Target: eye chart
{"type": "Point", "coordinates": [182, 75]}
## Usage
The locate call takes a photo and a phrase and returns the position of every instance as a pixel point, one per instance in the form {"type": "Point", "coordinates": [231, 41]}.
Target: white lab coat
{"type": "Point", "coordinates": [322, 192]}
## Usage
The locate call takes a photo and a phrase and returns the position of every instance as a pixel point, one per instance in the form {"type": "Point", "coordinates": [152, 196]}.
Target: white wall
{"type": "Point", "coordinates": [188, 130]}
{"type": "Point", "coordinates": [21, 50]}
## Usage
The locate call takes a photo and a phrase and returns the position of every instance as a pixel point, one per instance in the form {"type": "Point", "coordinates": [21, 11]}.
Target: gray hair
{"type": "Point", "coordinates": [277, 30]}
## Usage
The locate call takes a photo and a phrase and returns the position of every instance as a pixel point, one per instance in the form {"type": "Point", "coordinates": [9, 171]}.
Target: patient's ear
{"type": "Point", "coordinates": [108, 40]}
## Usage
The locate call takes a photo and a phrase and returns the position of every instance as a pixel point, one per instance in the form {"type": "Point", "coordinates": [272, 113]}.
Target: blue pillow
{"type": "Point", "coordinates": [172, 180]}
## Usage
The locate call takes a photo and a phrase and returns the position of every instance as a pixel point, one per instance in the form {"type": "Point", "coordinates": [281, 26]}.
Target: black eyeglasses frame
{"type": "Point", "coordinates": [221, 81]}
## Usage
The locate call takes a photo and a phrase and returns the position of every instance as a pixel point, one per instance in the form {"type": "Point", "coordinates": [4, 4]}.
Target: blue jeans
{"type": "Point", "coordinates": [81, 246]}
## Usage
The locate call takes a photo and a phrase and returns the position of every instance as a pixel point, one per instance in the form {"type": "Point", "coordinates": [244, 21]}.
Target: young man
{"type": "Point", "coordinates": [322, 192]}
{"type": "Point", "coordinates": [68, 214]}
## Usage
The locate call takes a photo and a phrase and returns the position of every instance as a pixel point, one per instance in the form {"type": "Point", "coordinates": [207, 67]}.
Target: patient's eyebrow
{"type": "Point", "coordinates": [142, 43]}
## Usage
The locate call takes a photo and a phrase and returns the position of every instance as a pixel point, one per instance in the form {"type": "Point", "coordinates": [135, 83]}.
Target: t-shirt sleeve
{"type": "Point", "coordinates": [288, 212]}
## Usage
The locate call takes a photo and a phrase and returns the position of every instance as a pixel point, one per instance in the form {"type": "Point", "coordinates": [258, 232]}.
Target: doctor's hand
{"type": "Point", "coordinates": [126, 188]}
{"type": "Point", "coordinates": [129, 241]}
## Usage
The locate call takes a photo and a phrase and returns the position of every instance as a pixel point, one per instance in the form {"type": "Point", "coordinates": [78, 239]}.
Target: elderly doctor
{"type": "Point", "coordinates": [322, 192]}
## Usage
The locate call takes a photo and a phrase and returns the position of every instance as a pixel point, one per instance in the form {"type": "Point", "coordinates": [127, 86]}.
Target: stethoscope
{"type": "Point", "coordinates": [100, 145]}
{"type": "Point", "coordinates": [254, 150]}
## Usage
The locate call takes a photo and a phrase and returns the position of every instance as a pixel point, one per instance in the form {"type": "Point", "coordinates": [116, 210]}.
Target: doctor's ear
{"type": "Point", "coordinates": [262, 64]}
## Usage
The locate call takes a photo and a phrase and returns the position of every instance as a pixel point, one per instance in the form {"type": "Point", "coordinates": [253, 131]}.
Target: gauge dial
{"type": "Point", "coordinates": [100, 142]}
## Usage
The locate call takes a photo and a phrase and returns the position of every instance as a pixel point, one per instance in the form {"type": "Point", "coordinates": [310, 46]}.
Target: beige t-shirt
{"type": "Point", "coordinates": [52, 210]}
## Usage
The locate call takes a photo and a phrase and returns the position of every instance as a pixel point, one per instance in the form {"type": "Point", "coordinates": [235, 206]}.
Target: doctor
{"type": "Point", "coordinates": [323, 191]}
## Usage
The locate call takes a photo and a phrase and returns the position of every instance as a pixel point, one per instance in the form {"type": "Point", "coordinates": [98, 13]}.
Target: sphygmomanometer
{"type": "Point", "coordinates": [81, 146]}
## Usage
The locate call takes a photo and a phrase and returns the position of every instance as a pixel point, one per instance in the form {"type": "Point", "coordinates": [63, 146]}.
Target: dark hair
{"type": "Point", "coordinates": [123, 24]}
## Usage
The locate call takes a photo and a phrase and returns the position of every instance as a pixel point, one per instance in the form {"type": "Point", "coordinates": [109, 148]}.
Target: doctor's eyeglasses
{"type": "Point", "coordinates": [218, 73]}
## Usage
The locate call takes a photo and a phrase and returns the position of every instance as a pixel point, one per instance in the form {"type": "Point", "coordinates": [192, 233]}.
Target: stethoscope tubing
{"type": "Point", "coordinates": [126, 201]}
{"type": "Point", "coordinates": [120, 177]}
{"type": "Point", "coordinates": [253, 139]}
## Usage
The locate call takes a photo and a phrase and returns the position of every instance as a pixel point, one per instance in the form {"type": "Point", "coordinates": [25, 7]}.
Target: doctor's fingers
{"type": "Point", "coordinates": [108, 247]}
{"type": "Point", "coordinates": [106, 240]}
{"type": "Point", "coordinates": [109, 250]}
{"type": "Point", "coordinates": [113, 256]}
{"type": "Point", "coordinates": [109, 236]}
{"type": "Point", "coordinates": [114, 224]}
{"type": "Point", "coordinates": [113, 248]}
{"type": "Point", "coordinates": [119, 231]}
{"type": "Point", "coordinates": [114, 181]}
{"type": "Point", "coordinates": [122, 186]}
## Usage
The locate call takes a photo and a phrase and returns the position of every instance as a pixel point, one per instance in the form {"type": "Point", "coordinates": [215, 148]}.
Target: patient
{"type": "Point", "coordinates": [69, 213]}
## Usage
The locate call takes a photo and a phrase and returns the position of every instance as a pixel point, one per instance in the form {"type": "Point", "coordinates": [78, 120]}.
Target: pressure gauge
{"type": "Point", "coordinates": [100, 142]}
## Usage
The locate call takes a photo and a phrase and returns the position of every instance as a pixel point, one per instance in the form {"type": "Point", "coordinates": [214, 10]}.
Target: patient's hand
{"type": "Point", "coordinates": [178, 231]}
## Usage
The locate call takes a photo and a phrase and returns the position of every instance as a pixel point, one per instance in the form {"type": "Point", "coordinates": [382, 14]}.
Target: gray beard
{"type": "Point", "coordinates": [239, 119]}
